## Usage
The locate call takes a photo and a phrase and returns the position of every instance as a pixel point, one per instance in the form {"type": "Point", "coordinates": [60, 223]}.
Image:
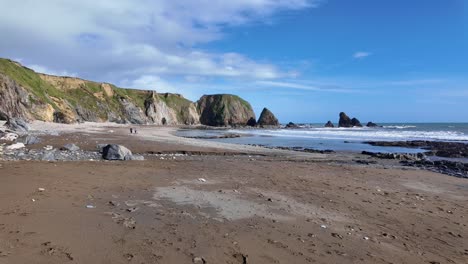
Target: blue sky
{"type": "Point", "coordinates": [306, 60]}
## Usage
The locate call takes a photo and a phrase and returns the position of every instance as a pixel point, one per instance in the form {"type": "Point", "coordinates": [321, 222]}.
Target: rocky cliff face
{"type": "Point", "coordinates": [171, 109]}
{"type": "Point", "coordinates": [224, 110]}
{"type": "Point", "coordinates": [34, 96]}
{"type": "Point", "coordinates": [14, 100]}
{"type": "Point", "coordinates": [267, 118]}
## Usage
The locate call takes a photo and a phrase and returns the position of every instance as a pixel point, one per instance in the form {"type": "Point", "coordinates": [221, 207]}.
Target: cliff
{"type": "Point", "coordinates": [34, 96]}
{"type": "Point", "coordinates": [224, 110]}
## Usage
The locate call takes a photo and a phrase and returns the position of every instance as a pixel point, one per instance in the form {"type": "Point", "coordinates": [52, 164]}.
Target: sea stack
{"type": "Point", "coordinates": [371, 124]}
{"type": "Point", "coordinates": [267, 119]}
{"type": "Point", "coordinates": [224, 110]}
{"type": "Point", "coordinates": [291, 125]}
{"type": "Point", "coordinates": [355, 122]}
{"type": "Point", "coordinates": [329, 124]}
{"type": "Point", "coordinates": [345, 121]}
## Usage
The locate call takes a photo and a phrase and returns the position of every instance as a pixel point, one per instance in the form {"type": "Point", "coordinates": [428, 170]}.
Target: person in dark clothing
{"type": "Point", "coordinates": [131, 130]}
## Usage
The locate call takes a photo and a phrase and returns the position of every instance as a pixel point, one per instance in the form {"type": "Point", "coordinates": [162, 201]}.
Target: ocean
{"type": "Point", "coordinates": [342, 139]}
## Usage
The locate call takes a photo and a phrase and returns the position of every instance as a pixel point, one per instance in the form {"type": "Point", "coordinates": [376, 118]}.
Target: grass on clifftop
{"type": "Point", "coordinates": [30, 80]}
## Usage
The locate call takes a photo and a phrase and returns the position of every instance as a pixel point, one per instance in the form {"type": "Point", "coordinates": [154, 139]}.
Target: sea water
{"type": "Point", "coordinates": [342, 139]}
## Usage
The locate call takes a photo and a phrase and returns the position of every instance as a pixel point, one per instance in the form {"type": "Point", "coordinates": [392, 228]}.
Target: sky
{"type": "Point", "coordinates": [306, 60]}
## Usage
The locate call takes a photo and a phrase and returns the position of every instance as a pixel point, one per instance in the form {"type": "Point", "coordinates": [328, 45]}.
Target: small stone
{"type": "Point", "coordinates": [199, 260]}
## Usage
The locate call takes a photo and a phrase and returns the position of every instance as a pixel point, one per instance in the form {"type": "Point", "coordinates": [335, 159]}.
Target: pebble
{"type": "Point", "coordinates": [199, 260]}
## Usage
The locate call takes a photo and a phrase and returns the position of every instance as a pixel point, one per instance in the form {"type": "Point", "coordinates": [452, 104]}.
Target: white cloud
{"type": "Point", "coordinates": [361, 54]}
{"type": "Point", "coordinates": [308, 87]}
{"type": "Point", "coordinates": [126, 39]}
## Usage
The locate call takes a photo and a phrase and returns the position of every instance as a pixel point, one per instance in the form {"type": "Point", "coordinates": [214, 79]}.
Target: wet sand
{"type": "Point", "coordinates": [224, 204]}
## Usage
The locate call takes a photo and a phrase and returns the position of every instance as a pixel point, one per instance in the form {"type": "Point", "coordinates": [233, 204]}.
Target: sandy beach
{"type": "Point", "coordinates": [198, 201]}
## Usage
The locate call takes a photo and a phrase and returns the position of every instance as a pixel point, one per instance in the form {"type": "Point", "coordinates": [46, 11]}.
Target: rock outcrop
{"type": "Point", "coordinates": [345, 121]}
{"type": "Point", "coordinates": [355, 122]}
{"type": "Point", "coordinates": [291, 125]}
{"type": "Point", "coordinates": [267, 119]}
{"type": "Point", "coordinates": [329, 124]}
{"type": "Point", "coordinates": [371, 124]}
{"type": "Point", "coordinates": [14, 99]}
{"type": "Point", "coordinates": [224, 110]}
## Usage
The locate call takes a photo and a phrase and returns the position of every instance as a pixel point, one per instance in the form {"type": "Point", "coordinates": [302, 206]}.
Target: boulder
{"type": "Point", "coordinates": [31, 140]}
{"type": "Point", "coordinates": [355, 122]}
{"type": "Point", "coordinates": [9, 136]}
{"type": "Point", "coordinates": [329, 124]}
{"type": "Point", "coordinates": [291, 125]}
{"type": "Point", "coordinates": [70, 147]}
{"type": "Point", "coordinates": [116, 152]}
{"type": "Point", "coordinates": [344, 121]}
{"type": "Point", "coordinates": [15, 146]}
{"type": "Point", "coordinates": [224, 110]}
{"type": "Point", "coordinates": [371, 124]}
{"type": "Point", "coordinates": [49, 156]}
{"type": "Point", "coordinates": [17, 124]}
{"type": "Point", "coordinates": [267, 118]}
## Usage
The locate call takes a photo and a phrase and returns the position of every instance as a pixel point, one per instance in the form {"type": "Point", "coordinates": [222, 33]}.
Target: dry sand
{"type": "Point", "coordinates": [234, 204]}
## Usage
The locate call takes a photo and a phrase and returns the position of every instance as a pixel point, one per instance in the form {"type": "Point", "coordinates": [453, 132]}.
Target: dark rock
{"type": "Point", "coordinates": [17, 124]}
{"type": "Point", "coordinates": [452, 168]}
{"type": "Point", "coordinates": [396, 156]}
{"type": "Point", "coordinates": [70, 147]}
{"type": "Point", "coordinates": [267, 118]}
{"type": "Point", "coordinates": [355, 122]}
{"type": "Point", "coordinates": [224, 110]}
{"type": "Point", "coordinates": [440, 149]}
{"type": "Point", "coordinates": [291, 125]}
{"type": "Point", "coordinates": [116, 152]}
{"type": "Point", "coordinates": [329, 124]}
{"type": "Point", "coordinates": [371, 124]}
{"type": "Point", "coordinates": [344, 121]}
{"type": "Point", "coordinates": [252, 122]}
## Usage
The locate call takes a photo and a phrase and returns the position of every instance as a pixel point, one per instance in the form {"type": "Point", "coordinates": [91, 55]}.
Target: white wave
{"type": "Point", "coordinates": [399, 127]}
{"type": "Point", "coordinates": [360, 134]}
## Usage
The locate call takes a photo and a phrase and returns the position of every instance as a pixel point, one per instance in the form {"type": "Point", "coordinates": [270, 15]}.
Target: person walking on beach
{"type": "Point", "coordinates": [131, 130]}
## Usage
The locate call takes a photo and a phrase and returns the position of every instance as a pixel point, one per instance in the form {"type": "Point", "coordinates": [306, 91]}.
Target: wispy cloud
{"type": "Point", "coordinates": [416, 82]}
{"type": "Point", "coordinates": [361, 54]}
{"type": "Point", "coordinates": [308, 87]}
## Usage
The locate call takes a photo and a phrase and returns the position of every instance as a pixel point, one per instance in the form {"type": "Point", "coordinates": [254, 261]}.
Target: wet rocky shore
{"type": "Point", "coordinates": [450, 158]}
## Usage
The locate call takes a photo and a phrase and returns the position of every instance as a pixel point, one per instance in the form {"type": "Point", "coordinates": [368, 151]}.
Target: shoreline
{"type": "Point", "coordinates": [193, 199]}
